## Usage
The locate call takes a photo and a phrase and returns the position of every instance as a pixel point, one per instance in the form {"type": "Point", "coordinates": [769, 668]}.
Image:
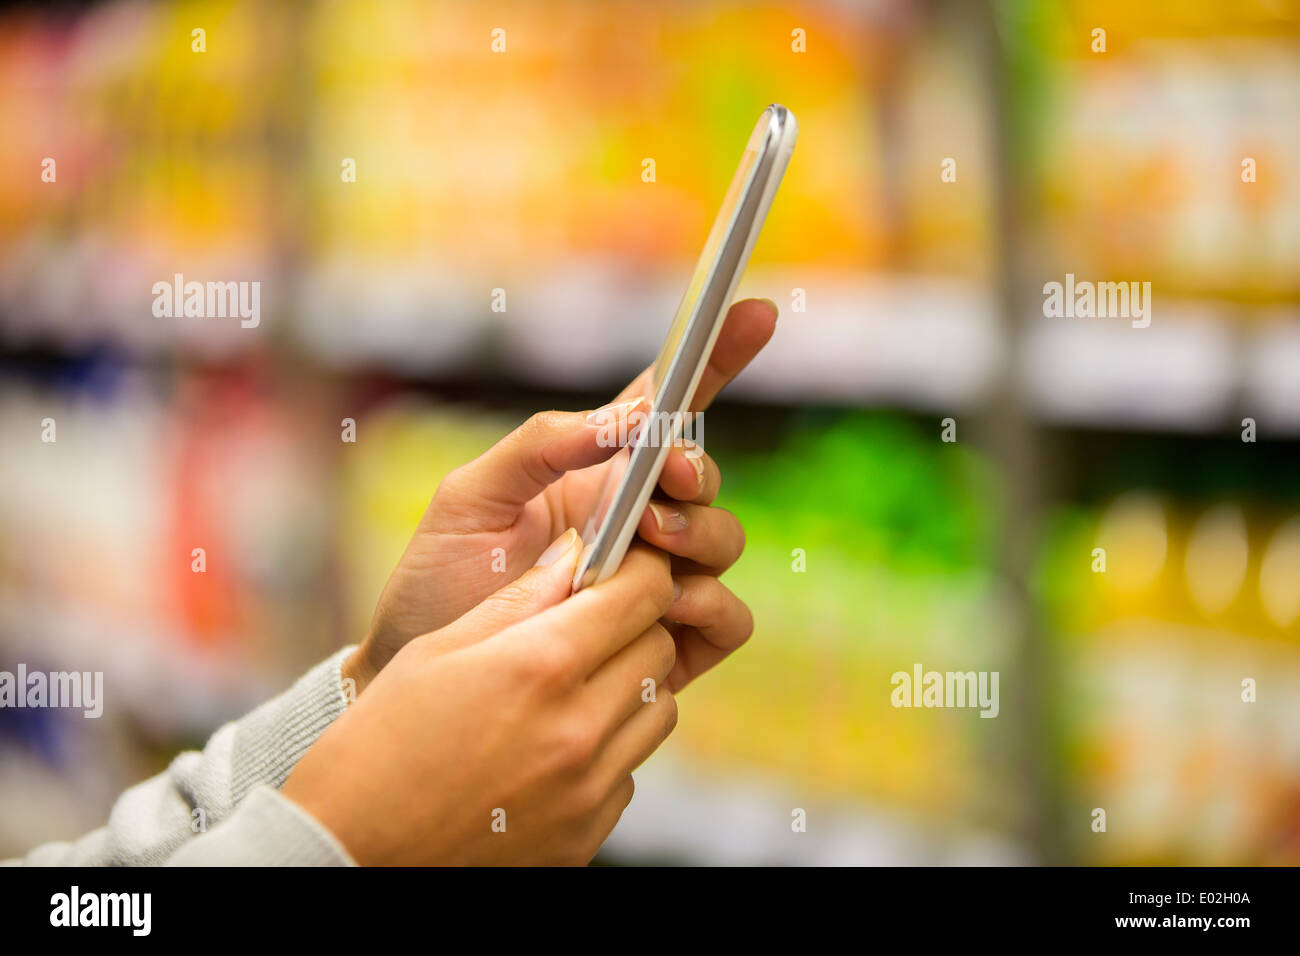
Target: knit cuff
{"type": "Point", "coordinates": [271, 740]}
{"type": "Point", "coordinates": [268, 829]}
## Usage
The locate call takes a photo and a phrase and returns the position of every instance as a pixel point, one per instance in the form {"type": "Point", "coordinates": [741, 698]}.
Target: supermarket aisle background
{"type": "Point", "coordinates": [522, 171]}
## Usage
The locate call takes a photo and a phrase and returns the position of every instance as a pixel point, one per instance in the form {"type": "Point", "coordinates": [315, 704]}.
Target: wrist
{"type": "Point", "coordinates": [358, 670]}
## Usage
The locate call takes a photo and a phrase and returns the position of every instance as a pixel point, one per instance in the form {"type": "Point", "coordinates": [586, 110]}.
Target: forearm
{"type": "Point", "coordinates": [153, 820]}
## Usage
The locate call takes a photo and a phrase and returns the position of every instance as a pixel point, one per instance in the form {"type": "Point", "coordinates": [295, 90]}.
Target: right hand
{"type": "Point", "coordinates": [542, 719]}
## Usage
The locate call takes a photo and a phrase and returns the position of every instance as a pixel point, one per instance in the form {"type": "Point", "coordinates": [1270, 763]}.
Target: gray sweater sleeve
{"type": "Point", "coordinates": [221, 806]}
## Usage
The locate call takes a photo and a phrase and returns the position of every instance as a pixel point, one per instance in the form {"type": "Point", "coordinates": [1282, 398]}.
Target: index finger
{"type": "Point", "coordinates": [746, 329]}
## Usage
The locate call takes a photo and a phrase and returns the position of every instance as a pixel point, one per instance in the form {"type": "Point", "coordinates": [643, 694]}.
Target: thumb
{"type": "Point", "coordinates": [546, 584]}
{"type": "Point", "coordinates": [488, 493]}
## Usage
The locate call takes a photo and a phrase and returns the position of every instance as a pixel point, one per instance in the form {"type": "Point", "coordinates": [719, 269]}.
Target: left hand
{"type": "Point", "coordinates": [544, 477]}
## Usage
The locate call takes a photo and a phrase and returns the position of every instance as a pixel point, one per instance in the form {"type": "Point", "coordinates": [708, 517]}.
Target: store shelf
{"type": "Point", "coordinates": [1179, 372]}
{"type": "Point", "coordinates": [923, 343]}
{"type": "Point", "coordinates": [1118, 166]}
{"type": "Point", "coordinates": [915, 342]}
{"type": "Point", "coordinates": [1272, 377]}
{"type": "Point", "coordinates": [1191, 369]}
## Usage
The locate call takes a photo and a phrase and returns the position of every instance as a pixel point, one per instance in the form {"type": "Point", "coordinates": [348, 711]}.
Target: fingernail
{"type": "Point", "coordinates": [677, 590]}
{"type": "Point", "coordinates": [695, 455]}
{"type": "Point", "coordinates": [776, 313]}
{"type": "Point", "coordinates": [557, 548]}
{"type": "Point", "coordinates": [669, 521]}
{"type": "Point", "coordinates": [614, 412]}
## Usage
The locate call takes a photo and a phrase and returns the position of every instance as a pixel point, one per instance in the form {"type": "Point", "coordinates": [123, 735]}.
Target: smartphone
{"type": "Point", "coordinates": [634, 471]}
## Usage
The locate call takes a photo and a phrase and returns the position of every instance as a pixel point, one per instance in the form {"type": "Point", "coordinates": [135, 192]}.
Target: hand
{"type": "Point", "coordinates": [545, 477]}
{"type": "Point", "coordinates": [534, 726]}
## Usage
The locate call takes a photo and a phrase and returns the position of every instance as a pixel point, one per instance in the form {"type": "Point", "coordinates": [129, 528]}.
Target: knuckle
{"type": "Point", "coordinates": [659, 594]}
{"type": "Point", "coordinates": [447, 487]}
{"type": "Point", "coordinates": [711, 599]}
{"type": "Point", "coordinates": [529, 440]}
{"type": "Point", "coordinates": [540, 423]}
{"type": "Point", "coordinates": [589, 845]}
{"type": "Point", "coordinates": [663, 647]}
{"type": "Point", "coordinates": [746, 629]}
{"type": "Point", "coordinates": [711, 596]}
{"type": "Point", "coordinates": [512, 601]}
{"type": "Point", "coordinates": [576, 745]}
{"type": "Point", "coordinates": [547, 665]}
{"type": "Point", "coordinates": [724, 607]}
{"type": "Point", "coordinates": [652, 585]}
{"type": "Point", "coordinates": [588, 799]}
{"type": "Point", "coordinates": [736, 535]}
{"type": "Point", "coordinates": [668, 701]}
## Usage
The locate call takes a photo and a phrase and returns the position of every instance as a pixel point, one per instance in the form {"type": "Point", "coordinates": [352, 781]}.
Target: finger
{"type": "Point", "coordinates": [618, 686]}
{"type": "Point", "coordinates": [607, 815]}
{"type": "Point", "coordinates": [711, 537]}
{"type": "Point", "coordinates": [690, 474]}
{"type": "Point", "coordinates": [747, 328]}
{"type": "Point", "coordinates": [638, 737]}
{"type": "Point", "coordinates": [544, 585]}
{"type": "Point", "coordinates": [580, 634]}
{"type": "Point", "coordinates": [488, 493]}
{"type": "Point", "coordinates": [711, 623]}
